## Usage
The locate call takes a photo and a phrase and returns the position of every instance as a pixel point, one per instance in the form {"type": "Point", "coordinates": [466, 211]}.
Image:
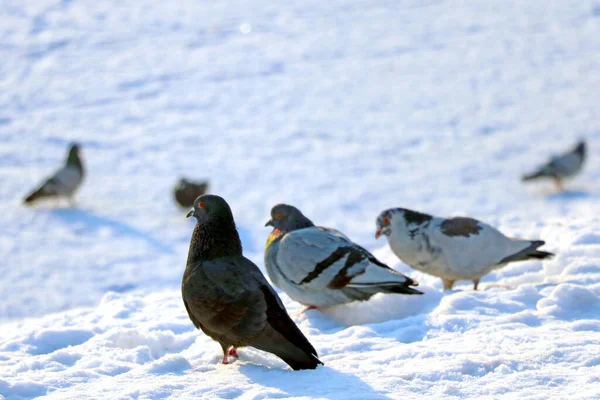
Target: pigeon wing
{"type": "Point", "coordinates": [64, 181]}
{"type": "Point", "coordinates": [281, 335]}
{"type": "Point", "coordinates": [471, 245]}
{"type": "Point", "coordinates": [317, 258]}
{"type": "Point", "coordinates": [225, 299]}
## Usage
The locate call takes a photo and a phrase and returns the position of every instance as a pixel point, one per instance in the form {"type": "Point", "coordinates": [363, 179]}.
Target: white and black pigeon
{"type": "Point", "coordinates": [321, 267]}
{"type": "Point", "coordinates": [452, 249]}
{"type": "Point", "coordinates": [64, 182]}
{"type": "Point", "coordinates": [562, 166]}
{"type": "Point", "coordinates": [229, 299]}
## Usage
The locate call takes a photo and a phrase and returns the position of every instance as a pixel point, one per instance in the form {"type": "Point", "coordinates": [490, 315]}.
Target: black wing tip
{"type": "Point", "coordinates": [405, 290]}
{"type": "Point", "coordinates": [33, 196]}
{"type": "Point", "coordinates": [411, 282]}
{"type": "Point", "coordinates": [402, 288]}
{"type": "Point", "coordinates": [542, 255]}
{"type": "Point", "coordinates": [297, 365]}
{"type": "Point", "coordinates": [316, 359]}
{"type": "Point", "coordinates": [406, 287]}
{"type": "Point", "coordinates": [531, 177]}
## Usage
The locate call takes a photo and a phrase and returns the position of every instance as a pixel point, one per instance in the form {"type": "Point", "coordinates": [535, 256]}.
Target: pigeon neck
{"type": "Point", "coordinates": [276, 234]}
{"type": "Point", "coordinates": [214, 239]}
{"type": "Point", "coordinates": [300, 222]}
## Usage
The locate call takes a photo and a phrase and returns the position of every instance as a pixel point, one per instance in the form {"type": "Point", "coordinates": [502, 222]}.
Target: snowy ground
{"type": "Point", "coordinates": [340, 108]}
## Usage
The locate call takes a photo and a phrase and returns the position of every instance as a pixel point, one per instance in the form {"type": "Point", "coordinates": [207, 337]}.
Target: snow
{"type": "Point", "coordinates": [341, 108]}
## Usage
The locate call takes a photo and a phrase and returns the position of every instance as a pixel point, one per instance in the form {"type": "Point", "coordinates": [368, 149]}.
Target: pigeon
{"type": "Point", "coordinates": [452, 249]}
{"type": "Point", "coordinates": [187, 191]}
{"type": "Point", "coordinates": [64, 182]}
{"type": "Point", "coordinates": [229, 299]}
{"type": "Point", "coordinates": [560, 167]}
{"type": "Point", "coordinates": [320, 267]}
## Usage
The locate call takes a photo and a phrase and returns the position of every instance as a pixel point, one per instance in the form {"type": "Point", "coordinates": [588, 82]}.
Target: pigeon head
{"type": "Point", "coordinates": [399, 219]}
{"type": "Point", "coordinates": [74, 159]}
{"type": "Point", "coordinates": [580, 148]}
{"type": "Point", "coordinates": [74, 151]}
{"type": "Point", "coordinates": [215, 234]}
{"type": "Point", "coordinates": [383, 224]}
{"type": "Point", "coordinates": [209, 207]}
{"type": "Point", "coordinates": [288, 218]}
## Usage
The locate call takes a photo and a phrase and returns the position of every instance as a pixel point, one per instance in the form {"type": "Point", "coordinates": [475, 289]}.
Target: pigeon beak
{"type": "Point", "coordinates": [269, 223]}
{"type": "Point", "coordinates": [190, 213]}
{"type": "Point", "coordinates": [377, 234]}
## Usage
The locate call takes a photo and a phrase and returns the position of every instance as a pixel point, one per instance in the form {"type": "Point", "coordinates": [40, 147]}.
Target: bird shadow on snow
{"type": "Point", "coordinates": [91, 221]}
{"type": "Point", "coordinates": [402, 318]}
{"type": "Point", "coordinates": [569, 195]}
{"type": "Point", "coordinates": [323, 382]}
{"type": "Point", "coordinates": [381, 308]}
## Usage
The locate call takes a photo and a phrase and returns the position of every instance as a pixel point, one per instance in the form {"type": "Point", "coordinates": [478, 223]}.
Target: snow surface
{"type": "Point", "coordinates": [340, 108]}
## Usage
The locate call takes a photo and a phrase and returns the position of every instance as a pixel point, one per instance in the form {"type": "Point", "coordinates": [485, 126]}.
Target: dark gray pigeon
{"type": "Point", "coordinates": [186, 191]}
{"type": "Point", "coordinates": [64, 182]}
{"type": "Point", "coordinates": [452, 249]}
{"type": "Point", "coordinates": [229, 299]}
{"type": "Point", "coordinates": [563, 166]}
{"type": "Point", "coordinates": [321, 267]}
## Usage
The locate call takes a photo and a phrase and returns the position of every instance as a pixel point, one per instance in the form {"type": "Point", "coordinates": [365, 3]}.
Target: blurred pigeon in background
{"type": "Point", "coordinates": [452, 249]}
{"type": "Point", "coordinates": [320, 267]}
{"type": "Point", "coordinates": [560, 167]}
{"type": "Point", "coordinates": [187, 191]}
{"type": "Point", "coordinates": [64, 182]}
{"type": "Point", "coordinates": [228, 297]}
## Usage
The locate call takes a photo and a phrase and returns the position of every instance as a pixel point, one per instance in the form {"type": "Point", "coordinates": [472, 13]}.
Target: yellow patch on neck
{"type": "Point", "coordinates": [276, 234]}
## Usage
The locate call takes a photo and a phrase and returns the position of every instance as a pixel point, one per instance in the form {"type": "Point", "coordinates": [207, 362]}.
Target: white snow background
{"type": "Point", "coordinates": [340, 108]}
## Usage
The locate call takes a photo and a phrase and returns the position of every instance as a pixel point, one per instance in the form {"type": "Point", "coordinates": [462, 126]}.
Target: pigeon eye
{"type": "Point", "coordinates": [200, 205]}
{"type": "Point", "coordinates": [278, 216]}
{"type": "Point", "coordinates": [386, 221]}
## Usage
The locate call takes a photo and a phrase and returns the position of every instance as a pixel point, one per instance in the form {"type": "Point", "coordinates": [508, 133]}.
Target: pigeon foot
{"type": "Point", "coordinates": [224, 360]}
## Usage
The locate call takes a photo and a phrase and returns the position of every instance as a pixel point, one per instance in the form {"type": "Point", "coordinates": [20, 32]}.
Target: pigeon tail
{"type": "Point", "coordinates": [541, 255]}
{"type": "Point", "coordinates": [529, 253]}
{"type": "Point", "coordinates": [534, 175]}
{"type": "Point", "coordinates": [290, 345]}
{"type": "Point", "coordinates": [39, 193]}
{"type": "Point", "coordinates": [296, 365]}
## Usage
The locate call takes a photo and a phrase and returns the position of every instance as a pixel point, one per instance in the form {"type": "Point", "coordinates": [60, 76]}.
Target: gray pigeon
{"type": "Point", "coordinates": [321, 267]}
{"type": "Point", "coordinates": [452, 249]}
{"type": "Point", "coordinates": [229, 299]}
{"type": "Point", "coordinates": [64, 182]}
{"type": "Point", "coordinates": [186, 191]}
{"type": "Point", "coordinates": [560, 167]}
